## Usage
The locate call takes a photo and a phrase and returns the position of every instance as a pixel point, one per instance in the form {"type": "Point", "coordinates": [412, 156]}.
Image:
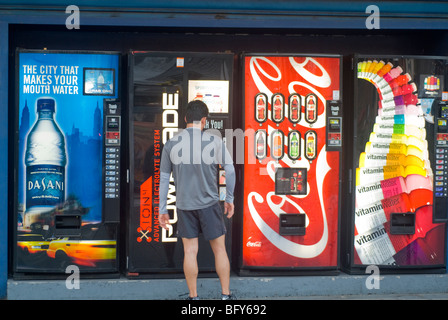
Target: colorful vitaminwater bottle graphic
{"type": "Point", "coordinates": [385, 69]}
{"type": "Point", "coordinates": [432, 83]}
{"type": "Point", "coordinates": [310, 140]}
{"type": "Point", "coordinates": [311, 108]}
{"type": "Point", "coordinates": [377, 191]}
{"type": "Point", "coordinates": [277, 144]}
{"type": "Point", "coordinates": [45, 160]}
{"type": "Point", "coordinates": [394, 175]}
{"type": "Point", "coordinates": [393, 73]}
{"type": "Point", "coordinates": [294, 144]}
{"type": "Point", "coordinates": [260, 144]}
{"type": "Point", "coordinates": [294, 103]}
{"type": "Point", "coordinates": [278, 107]}
{"type": "Point", "coordinates": [261, 108]}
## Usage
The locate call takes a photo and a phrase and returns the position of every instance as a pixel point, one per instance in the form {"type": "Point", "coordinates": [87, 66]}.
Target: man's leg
{"type": "Point", "coordinates": [191, 264]}
{"type": "Point", "coordinates": [222, 263]}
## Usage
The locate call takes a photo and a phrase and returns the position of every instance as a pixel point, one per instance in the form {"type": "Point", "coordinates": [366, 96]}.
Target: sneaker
{"type": "Point", "coordinates": [227, 297]}
{"type": "Point", "coordinates": [193, 298]}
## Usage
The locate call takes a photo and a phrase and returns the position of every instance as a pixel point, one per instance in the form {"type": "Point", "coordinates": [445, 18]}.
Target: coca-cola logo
{"type": "Point", "coordinates": [254, 244]}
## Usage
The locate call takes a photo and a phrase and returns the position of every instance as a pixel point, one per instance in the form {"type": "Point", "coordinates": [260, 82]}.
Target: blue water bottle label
{"type": "Point", "coordinates": [45, 185]}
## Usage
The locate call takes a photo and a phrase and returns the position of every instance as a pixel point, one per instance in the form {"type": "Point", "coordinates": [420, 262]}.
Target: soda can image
{"type": "Point", "coordinates": [277, 141]}
{"type": "Point", "coordinates": [295, 106]}
{"type": "Point", "coordinates": [278, 107]}
{"type": "Point", "coordinates": [310, 145]}
{"type": "Point", "coordinates": [311, 108]}
{"type": "Point", "coordinates": [261, 108]}
{"type": "Point", "coordinates": [260, 144]}
{"type": "Point", "coordinates": [294, 144]}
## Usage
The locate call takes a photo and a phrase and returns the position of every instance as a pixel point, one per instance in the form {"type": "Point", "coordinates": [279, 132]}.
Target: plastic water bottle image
{"type": "Point", "coordinates": [45, 160]}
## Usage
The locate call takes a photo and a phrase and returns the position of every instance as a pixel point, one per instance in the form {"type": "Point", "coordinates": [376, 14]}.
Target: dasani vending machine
{"type": "Point", "coordinates": [67, 160]}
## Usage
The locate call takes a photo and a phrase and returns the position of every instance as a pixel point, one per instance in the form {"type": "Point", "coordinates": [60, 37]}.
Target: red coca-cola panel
{"type": "Point", "coordinates": [270, 182]}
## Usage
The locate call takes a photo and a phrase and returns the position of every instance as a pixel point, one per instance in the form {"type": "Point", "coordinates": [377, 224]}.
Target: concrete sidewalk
{"type": "Point", "coordinates": [415, 296]}
{"type": "Point", "coordinates": [342, 286]}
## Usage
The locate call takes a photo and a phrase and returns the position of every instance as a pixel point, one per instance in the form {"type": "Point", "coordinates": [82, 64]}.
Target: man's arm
{"type": "Point", "coordinates": [230, 182]}
{"type": "Point", "coordinates": [229, 207]}
{"type": "Point", "coordinates": [163, 194]}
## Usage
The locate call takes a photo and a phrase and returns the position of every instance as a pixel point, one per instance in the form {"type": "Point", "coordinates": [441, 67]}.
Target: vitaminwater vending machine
{"type": "Point", "coordinates": [398, 178]}
{"type": "Point", "coordinates": [67, 159]}
{"type": "Point", "coordinates": [293, 132]}
{"type": "Point", "coordinates": [160, 86]}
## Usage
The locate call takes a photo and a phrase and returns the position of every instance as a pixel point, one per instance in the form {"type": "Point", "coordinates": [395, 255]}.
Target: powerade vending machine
{"type": "Point", "coordinates": [293, 130]}
{"type": "Point", "coordinates": [67, 160]}
{"type": "Point", "coordinates": [160, 86]}
{"type": "Point", "coordinates": [399, 177]}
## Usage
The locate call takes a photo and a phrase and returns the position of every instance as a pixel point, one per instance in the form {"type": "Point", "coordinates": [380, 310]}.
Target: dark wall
{"type": "Point", "coordinates": [427, 42]}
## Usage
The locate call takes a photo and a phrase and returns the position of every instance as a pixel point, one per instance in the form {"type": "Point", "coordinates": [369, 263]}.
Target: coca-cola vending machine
{"type": "Point", "coordinates": [291, 171]}
{"type": "Point", "coordinates": [397, 175]}
{"type": "Point", "coordinates": [67, 160]}
{"type": "Point", "coordinates": [160, 86]}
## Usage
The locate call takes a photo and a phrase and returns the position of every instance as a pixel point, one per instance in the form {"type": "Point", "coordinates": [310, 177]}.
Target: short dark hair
{"type": "Point", "coordinates": [196, 110]}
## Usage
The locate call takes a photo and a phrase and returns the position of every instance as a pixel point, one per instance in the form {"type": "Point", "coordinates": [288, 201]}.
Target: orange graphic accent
{"type": "Point", "coordinates": [145, 211]}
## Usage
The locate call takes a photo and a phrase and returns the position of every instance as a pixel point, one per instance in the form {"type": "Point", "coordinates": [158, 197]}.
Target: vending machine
{"type": "Point", "coordinates": [397, 175]}
{"type": "Point", "coordinates": [67, 162]}
{"type": "Point", "coordinates": [160, 86]}
{"type": "Point", "coordinates": [291, 172]}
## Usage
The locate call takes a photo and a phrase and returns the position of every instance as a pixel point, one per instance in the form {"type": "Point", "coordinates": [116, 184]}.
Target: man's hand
{"type": "Point", "coordinates": [229, 209]}
{"type": "Point", "coordinates": [164, 220]}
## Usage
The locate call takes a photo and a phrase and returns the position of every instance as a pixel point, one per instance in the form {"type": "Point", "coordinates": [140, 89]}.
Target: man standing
{"type": "Point", "coordinates": [193, 157]}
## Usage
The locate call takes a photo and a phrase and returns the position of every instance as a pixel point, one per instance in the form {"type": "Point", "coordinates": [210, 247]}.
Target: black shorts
{"type": "Point", "coordinates": [209, 221]}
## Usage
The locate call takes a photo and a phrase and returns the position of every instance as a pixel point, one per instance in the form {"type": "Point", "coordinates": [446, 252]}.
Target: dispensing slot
{"type": "Point", "coordinates": [402, 223]}
{"type": "Point", "coordinates": [292, 224]}
{"type": "Point", "coordinates": [67, 225]}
